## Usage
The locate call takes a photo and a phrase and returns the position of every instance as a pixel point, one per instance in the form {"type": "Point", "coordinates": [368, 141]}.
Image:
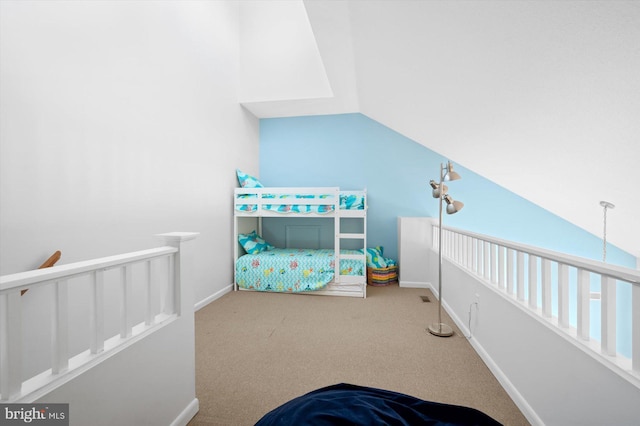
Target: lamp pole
{"type": "Point", "coordinates": [605, 205]}
{"type": "Point", "coordinates": [439, 329]}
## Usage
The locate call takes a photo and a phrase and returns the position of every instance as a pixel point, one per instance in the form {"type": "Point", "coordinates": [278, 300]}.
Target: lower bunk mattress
{"type": "Point", "coordinates": [294, 270]}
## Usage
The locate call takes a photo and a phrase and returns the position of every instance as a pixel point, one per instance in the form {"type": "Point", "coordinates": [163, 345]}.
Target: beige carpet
{"type": "Point", "coordinates": [255, 351]}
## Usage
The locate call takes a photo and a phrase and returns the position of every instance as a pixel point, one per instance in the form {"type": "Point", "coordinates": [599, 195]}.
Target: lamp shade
{"type": "Point", "coordinates": [450, 173]}
{"type": "Point", "coordinates": [436, 189]}
{"type": "Point", "coordinates": [454, 207]}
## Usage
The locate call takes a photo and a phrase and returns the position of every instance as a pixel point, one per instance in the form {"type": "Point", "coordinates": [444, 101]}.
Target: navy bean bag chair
{"type": "Point", "coordinates": [346, 404]}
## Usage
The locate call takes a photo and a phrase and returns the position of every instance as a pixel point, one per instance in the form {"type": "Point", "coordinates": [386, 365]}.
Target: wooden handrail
{"type": "Point", "coordinates": [47, 264]}
{"type": "Point", "coordinates": [51, 260]}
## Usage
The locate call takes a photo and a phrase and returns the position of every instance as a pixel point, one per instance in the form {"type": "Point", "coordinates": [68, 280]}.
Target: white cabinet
{"type": "Point", "coordinates": [414, 242]}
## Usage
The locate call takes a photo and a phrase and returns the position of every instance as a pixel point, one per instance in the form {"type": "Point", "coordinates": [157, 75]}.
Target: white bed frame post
{"type": "Point", "coordinates": [364, 243]}
{"type": "Point", "coordinates": [235, 247]}
{"type": "Point", "coordinates": [336, 228]}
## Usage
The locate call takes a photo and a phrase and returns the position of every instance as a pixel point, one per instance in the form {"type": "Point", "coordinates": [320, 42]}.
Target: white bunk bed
{"type": "Point", "coordinates": [251, 205]}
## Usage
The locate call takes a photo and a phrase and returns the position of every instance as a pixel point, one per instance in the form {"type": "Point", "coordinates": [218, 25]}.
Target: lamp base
{"type": "Point", "coordinates": [440, 330]}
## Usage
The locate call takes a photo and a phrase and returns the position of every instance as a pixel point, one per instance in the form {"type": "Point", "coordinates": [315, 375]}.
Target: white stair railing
{"type": "Point", "coordinates": [63, 367]}
{"type": "Point", "coordinates": [525, 274]}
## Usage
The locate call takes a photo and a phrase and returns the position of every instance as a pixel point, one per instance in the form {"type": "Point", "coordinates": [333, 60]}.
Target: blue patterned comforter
{"type": "Point", "coordinates": [293, 270]}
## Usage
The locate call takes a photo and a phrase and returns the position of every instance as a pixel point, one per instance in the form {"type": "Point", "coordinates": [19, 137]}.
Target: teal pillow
{"type": "Point", "coordinates": [375, 258]}
{"type": "Point", "coordinates": [247, 181]}
{"type": "Point", "coordinates": [252, 243]}
{"type": "Point", "coordinates": [352, 202]}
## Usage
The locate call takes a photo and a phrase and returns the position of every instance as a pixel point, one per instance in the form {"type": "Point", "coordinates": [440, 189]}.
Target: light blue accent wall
{"type": "Point", "coordinates": [353, 151]}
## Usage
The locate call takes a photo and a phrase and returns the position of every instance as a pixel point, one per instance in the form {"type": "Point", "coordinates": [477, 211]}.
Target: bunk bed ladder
{"type": "Point", "coordinates": [339, 236]}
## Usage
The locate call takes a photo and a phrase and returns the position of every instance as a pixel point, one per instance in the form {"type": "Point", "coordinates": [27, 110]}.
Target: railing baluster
{"type": "Point", "coordinates": [126, 320]}
{"type": "Point", "coordinates": [434, 237]}
{"type": "Point", "coordinates": [445, 243]}
{"type": "Point", "coordinates": [480, 262]}
{"type": "Point", "coordinates": [563, 295]}
{"type": "Point", "coordinates": [96, 313]}
{"type": "Point", "coordinates": [149, 317]}
{"type": "Point", "coordinates": [546, 287]}
{"type": "Point", "coordinates": [635, 319]}
{"type": "Point", "coordinates": [487, 259]}
{"type": "Point", "coordinates": [492, 270]}
{"type": "Point", "coordinates": [501, 270]}
{"type": "Point", "coordinates": [474, 255]}
{"type": "Point", "coordinates": [465, 251]}
{"type": "Point", "coordinates": [451, 245]}
{"type": "Point", "coordinates": [60, 328]}
{"type": "Point", "coordinates": [509, 271]}
{"type": "Point", "coordinates": [445, 246]}
{"type": "Point", "coordinates": [520, 282]}
{"type": "Point", "coordinates": [469, 255]}
{"type": "Point", "coordinates": [533, 281]}
{"type": "Point", "coordinates": [608, 307]}
{"type": "Point", "coordinates": [10, 345]}
{"type": "Point", "coordinates": [168, 305]}
{"type": "Point", "coordinates": [584, 304]}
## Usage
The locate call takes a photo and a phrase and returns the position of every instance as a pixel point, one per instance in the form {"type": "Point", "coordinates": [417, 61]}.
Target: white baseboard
{"type": "Point", "coordinates": [187, 414]}
{"type": "Point", "coordinates": [204, 302]}
{"type": "Point", "coordinates": [414, 284]}
{"type": "Point", "coordinates": [518, 399]}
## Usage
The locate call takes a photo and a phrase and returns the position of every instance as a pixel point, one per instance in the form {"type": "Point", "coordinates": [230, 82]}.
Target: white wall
{"type": "Point", "coordinates": [119, 120]}
{"type": "Point", "coordinates": [146, 384]}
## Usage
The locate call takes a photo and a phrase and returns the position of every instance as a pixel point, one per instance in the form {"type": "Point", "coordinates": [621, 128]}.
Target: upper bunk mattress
{"type": "Point", "coordinates": [293, 270]}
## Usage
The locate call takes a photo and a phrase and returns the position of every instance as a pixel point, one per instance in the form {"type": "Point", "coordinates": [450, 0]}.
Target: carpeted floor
{"type": "Point", "coordinates": [255, 351]}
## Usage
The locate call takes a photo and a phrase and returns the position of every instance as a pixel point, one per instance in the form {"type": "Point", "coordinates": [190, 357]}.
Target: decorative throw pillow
{"type": "Point", "coordinates": [252, 243]}
{"type": "Point", "coordinates": [248, 181]}
{"type": "Point", "coordinates": [351, 202]}
{"type": "Point", "coordinates": [375, 258]}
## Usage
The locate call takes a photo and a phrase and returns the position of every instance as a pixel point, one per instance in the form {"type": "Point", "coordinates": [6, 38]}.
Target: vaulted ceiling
{"type": "Point", "coordinates": [540, 97]}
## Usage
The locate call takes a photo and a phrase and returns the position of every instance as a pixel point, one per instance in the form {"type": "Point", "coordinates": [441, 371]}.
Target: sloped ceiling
{"type": "Point", "coordinates": [540, 97]}
{"type": "Point", "coordinates": [276, 80]}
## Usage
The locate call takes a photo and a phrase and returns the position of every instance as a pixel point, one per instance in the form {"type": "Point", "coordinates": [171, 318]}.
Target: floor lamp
{"type": "Point", "coordinates": [606, 205]}
{"type": "Point", "coordinates": [440, 191]}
